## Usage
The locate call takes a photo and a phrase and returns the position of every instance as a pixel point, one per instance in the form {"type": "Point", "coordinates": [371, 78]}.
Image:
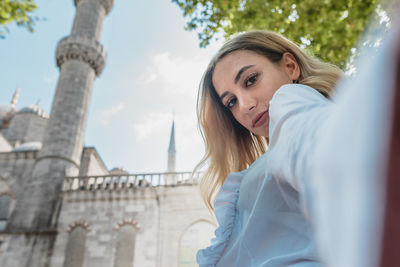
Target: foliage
{"type": "Point", "coordinates": [18, 11]}
{"type": "Point", "coordinates": [327, 28]}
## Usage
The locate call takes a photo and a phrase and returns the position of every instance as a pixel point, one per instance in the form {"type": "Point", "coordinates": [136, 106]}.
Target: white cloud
{"type": "Point", "coordinates": [151, 123]}
{"type": "Point", "coordinates": [168, 82]}
{"type": "Point", "coordinates": [174, 74]}
{"type": "Point", "coordinates": [108, 114]}
{"type": "Point", "coordinates": [186, 130]}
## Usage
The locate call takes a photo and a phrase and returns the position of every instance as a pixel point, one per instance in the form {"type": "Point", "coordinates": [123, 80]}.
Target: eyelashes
{"type": "Point", "coordinates": [231, 102]}
{"type": "Point", "coordinates": [249, 81]}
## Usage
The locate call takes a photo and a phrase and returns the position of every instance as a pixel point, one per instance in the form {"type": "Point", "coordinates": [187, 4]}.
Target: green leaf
{"type": "Point", "coordinates": [18, 11]}
{"type": "Point", "coordinates": [323, 23]}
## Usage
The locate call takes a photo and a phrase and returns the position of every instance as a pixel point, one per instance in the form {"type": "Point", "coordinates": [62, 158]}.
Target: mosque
{"type": "Point", "coordinates": [61, 206]}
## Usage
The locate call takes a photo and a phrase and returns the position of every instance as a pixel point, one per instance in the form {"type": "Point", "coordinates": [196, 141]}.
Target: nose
{"type": "Point", "coordinates": [246, 103]}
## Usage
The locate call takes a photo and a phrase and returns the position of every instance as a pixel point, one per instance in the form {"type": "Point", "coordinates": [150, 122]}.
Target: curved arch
{"type": "Point", "coordinates": [7, 203]}
{"type": "Point", "coordinates": [195, 236]}
{"type": "Point", "coordinates": [76, 244]}
{"type": "Point", "coordinates": [125, 243]}
{"type": "Point", "coordinates": [125, 221]}
{"type": "Point", "coordinates": [8, 193]}
{"type": "Point", "coordinates": [81, 223]}
{"type": "Point", "coordinates": [193, 223]}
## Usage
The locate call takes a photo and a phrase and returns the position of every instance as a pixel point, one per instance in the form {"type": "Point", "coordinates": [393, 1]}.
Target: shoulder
{"type": "Point", "coordinates": [297, 113]}
{"type": "Point", "coordinates": [294, 99]}
{"type": "Point", "coordinates": [297, 94]}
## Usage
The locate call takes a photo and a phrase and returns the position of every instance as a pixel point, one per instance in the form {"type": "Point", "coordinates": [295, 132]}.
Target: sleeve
{"type": "Point", "coordinates": [225, 212]}
{"type": "Point", "coordinates": [297, 114]}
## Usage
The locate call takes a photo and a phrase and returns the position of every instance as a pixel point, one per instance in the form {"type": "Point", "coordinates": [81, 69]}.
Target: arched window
{"type": "Point", "coordinates": [197, 236]}
{"type": "Point", "coordinates": [75, 251]}
{"type": "Point", "coordinates": [124, 253]}
{"type": "Point", "coordinates": [5, 202]}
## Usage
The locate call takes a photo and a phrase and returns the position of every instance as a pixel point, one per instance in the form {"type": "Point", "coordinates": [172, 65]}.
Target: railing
{"type": "Point", "coordinates": [120, 181]}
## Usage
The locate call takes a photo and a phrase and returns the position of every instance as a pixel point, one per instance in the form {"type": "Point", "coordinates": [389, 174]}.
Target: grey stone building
{"type": "Point", "coordinates": [59, 204]}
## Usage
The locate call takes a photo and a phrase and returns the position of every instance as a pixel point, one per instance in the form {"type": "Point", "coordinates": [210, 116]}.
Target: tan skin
{"type": "Point", "coordinates": [246, 82]}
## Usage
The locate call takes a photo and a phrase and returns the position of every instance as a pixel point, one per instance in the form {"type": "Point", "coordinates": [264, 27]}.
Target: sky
{"type": "Point", "coordinates": [151, 76]}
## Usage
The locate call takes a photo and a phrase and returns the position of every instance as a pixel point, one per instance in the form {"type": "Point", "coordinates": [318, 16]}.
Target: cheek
{"type": "Point", "coordinates": [242, 120]}
{"type": "Point", "coordinates": [284, 79]}
{"type": "Point", "coordinates": [262, 131]}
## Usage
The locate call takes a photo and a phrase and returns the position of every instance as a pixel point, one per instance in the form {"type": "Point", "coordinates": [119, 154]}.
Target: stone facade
{"type": "Point", "coordinates": [105, 212]}
{"type": "Point", "coordinates": [180, 208]}
{"type": "Point", "coordinates": [59, 204]}
{"type": "Point", "coordinates": [159, 215]}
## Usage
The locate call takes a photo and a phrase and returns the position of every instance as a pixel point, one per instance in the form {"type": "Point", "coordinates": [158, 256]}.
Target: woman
{"type": "Point", "coordinates": [334, 164]}
{"type": "Point", "coordinates": [252, 87]}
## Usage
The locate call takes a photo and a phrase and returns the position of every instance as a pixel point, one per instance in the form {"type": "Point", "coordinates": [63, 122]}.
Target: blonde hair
{"type": "Point", "coordinates": [230, 147]}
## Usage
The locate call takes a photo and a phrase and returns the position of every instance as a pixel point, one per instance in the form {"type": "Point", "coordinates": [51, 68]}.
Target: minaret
{"type": "Point", "coordinates": [5, 121]}
{"type": "Point", "coordinates": [171, 150]}
{"type": "Point", "coordinates": [80, 58]}
{"type": "Point", "coordinates": [14, 99]}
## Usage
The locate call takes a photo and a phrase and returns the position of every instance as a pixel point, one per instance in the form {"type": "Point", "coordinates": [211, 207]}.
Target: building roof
{"type": "Point", "coordinates": [5, 146]}
{"type": "Point", "coordinates": [34, 110]}
{"type": "Point", "coordinates": [29, 146]}
{"type": "Point", "coordinates": [6, 110]}
{"type": "Point", "coordinates": [118, 170]}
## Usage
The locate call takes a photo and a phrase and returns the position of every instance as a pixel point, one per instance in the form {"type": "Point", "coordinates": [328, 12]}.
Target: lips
{"type": "Point", "coordinates": [260, 119]}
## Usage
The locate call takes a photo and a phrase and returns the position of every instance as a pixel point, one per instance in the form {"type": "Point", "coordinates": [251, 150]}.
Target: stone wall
{"type": "Point", "coordinates": [158, 215]}
{"type": "Point", "coordinates": [103, 212]}
{"type": "Point", "coordinates": [16, 168]}
{"type": "Point", "coordinates": [180, 207]}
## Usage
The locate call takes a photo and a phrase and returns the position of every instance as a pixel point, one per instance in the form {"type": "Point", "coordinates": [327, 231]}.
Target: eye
{"type": "Point", "coordinates": [231, 102]}
{"type": "Point", "coordinates": [251, 80]}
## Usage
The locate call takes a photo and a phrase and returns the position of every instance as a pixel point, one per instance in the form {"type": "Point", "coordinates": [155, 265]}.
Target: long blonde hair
{"type": "Point", "coordinates": [230, 147]}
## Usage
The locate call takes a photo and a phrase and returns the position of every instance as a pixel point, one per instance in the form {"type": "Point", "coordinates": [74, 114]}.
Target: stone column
{"type": "Point", "coordinates": [80, 58]}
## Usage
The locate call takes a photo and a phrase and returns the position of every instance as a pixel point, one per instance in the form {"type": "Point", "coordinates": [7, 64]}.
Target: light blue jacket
{"type": "Point", "coordinates": [261, 211]}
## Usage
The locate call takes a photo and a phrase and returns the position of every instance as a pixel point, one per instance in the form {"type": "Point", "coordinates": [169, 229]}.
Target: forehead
{"type": "Point", "coordinates": [237, 58]}
{"type": "Point", "coordinates": [228, 67]}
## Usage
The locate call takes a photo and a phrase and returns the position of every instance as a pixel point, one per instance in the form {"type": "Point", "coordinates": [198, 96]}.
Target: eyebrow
{"type": "Point", "coordinates": [237, 78]}
{"type": "Point", "coordinates": [223, 95]}
{"type": "Point", "coordinates": [240, 72]}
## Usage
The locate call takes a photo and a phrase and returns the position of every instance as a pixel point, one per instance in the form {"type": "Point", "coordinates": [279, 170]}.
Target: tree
{"type": "Point", "coordinates": [18, 11]}
{"type": "Point", "coordinates": [329, 29]}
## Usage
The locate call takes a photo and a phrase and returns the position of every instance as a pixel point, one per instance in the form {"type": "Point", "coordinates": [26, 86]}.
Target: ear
{"type": "Point", "coordinates": [290, 65]}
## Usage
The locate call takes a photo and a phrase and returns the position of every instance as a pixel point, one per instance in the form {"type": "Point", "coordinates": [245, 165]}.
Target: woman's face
{"type": "Point", "coordinates": [246, 81]}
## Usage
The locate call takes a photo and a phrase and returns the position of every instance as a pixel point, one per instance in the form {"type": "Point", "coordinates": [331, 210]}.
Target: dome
{"type": "Point", "coordinates": [34, 110]}
{"type": "Point", "coordinates": [6, 110]}
{"type": "Point", "coordinates": [29, 146]}
{"type": "Point", "coordinates": [118, 170]}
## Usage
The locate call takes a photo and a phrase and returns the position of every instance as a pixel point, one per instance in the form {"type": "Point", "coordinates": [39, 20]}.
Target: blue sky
{"type": "Point", "coordinates": [153, 69]}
